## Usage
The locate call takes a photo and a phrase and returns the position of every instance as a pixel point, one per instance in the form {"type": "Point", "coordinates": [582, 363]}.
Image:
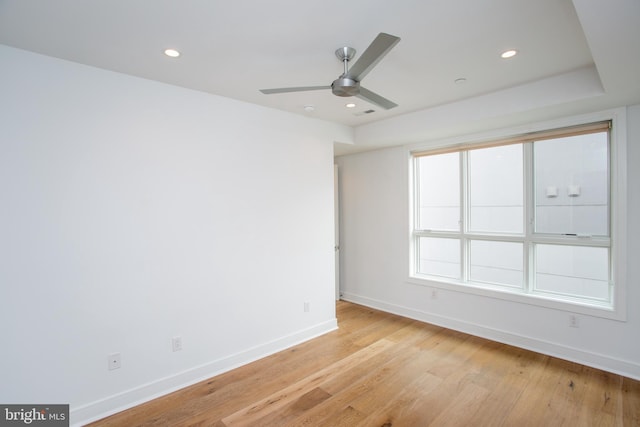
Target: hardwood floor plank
{"type": "Point", "coordinates": [405, 409]}
{"type": "Point", "coordinates": [598, 408]}
{"type": "Point", "coordinates": [397, 355]}
{"type": "Point", "coordinates": [359, 381]}
{"type": "Point", "coordinates": [461, 410]}
{"type": "Point", "coordinates": [347, 417]}
{"type": "Point", "coordinates": [505, 371]}
{"type": "Point", "coordinates": [259, 409]}
{"type": "Point", "coordinates": [362, 379]}
{"type": "Point", "coordinates": [294, 409]}
{"type": "Point", "coordinates": [390, 381]}
{"type": "Point", "coordinates": [631, 401]}
{"type": "Point", "coordinates": [546, 395]}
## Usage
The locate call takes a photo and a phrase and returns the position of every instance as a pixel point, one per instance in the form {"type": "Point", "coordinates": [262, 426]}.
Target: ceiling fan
{"type": "Point", "coordinates": [348, 83]}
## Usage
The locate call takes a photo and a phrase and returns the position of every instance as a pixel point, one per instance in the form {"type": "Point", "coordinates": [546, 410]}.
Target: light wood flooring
{"type": "Point", "coordinates": [383, 370]}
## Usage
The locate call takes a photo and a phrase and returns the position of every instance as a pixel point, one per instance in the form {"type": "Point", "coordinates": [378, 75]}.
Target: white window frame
{"type": "Point", "coordinates": [618, 217]}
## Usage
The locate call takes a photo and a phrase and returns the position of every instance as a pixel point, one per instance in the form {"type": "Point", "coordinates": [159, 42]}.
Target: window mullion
{"type": "Point", "coordinates": [529, 218]}
{"type": "Point", "coordinates": [416, 214]}
{"type": "Point", "coordinates": [464, 216]}
{"type": "Point", "coordinates": [416, 195]}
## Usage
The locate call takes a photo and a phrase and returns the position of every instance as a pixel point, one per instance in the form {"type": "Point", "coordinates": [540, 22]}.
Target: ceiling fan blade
{"type": "Point", "coordinates": [376, 99]}
{"type": "Point", "coordinates": [380, 46]}
{"type": "Point", "coordinates": [293, 89]}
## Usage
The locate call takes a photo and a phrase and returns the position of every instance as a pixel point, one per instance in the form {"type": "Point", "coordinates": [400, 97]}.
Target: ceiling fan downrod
{"type": "Point", "coordinates": [345, 54]}
{"type": "Point", "coordinates": [343, 85]}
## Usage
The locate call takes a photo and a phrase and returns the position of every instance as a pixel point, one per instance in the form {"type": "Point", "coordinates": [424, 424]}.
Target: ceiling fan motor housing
{"type": "Point", "coordinates": [344, 86]}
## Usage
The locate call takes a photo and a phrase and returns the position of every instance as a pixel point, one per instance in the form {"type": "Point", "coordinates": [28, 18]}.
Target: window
{"type": "Point", "coordinates": [529, 216]}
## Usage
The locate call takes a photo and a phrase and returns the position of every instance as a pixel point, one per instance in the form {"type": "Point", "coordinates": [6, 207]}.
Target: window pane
{"type": "Point", "coordinates": [573, 270]}
{"type": "Point", "coordinates": [439, 192]}
{"type": "Point", "coordinates": [496, 189]}
{"type": "Point", "coordinates": [572, 185]}
{"type": "Point", "coordinates": [439, 257]}
{"type": "Point", "coordinates": [498, 263]}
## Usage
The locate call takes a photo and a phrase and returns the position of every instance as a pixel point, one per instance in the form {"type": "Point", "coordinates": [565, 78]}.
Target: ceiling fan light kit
{"type": "Point", "coordinates": [348, 84]}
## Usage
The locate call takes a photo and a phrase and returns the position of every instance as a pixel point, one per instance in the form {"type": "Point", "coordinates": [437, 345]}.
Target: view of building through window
{"type": "Point", "coordinates": [529, 217]}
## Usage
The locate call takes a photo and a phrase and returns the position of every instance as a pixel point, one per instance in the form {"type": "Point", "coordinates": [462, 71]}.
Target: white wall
{"type": "Point", "coordinates": [375, 267]}
{"type": "Point", "coordinates": [133, 211]}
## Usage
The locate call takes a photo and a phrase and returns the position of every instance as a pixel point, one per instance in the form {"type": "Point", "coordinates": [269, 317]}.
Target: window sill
{"type": "Point", "coordinates": [595, 309]}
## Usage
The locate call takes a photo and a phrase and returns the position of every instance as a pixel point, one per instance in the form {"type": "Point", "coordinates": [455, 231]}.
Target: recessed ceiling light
{"type": "Point", "coordinates": [309, 108]}
{"type": "Point", "coordinates": [460, 81]}
{"type": "Point", "coordinates": [350, 105]}
{"type": "Point", "coordinates": [171, 53]}
{"type": "Point", "coordinates": [508, 54]}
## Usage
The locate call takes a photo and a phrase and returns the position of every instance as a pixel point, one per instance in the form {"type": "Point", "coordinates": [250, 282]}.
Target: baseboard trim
{"type": "Point", "coordinates": [599, 361]}
{"type": "Point", "coordinates": [102, 408]}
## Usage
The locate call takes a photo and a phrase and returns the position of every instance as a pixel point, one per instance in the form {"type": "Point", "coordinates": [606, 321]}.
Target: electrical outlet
{"type": "Point", "coordinates": [114, 361]}
{"type": "Point", "coordinates": [434, 294]}
{"type": "Point", "coordinates": [573, 321]}
{"type": "Point", "coordinates": [176, 343]}
{"type": "Point", "coordinates": [307, 306]}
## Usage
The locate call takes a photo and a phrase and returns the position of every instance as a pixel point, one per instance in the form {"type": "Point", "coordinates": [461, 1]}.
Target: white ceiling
{"type": "Point", "coordinates": [235, 48]}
